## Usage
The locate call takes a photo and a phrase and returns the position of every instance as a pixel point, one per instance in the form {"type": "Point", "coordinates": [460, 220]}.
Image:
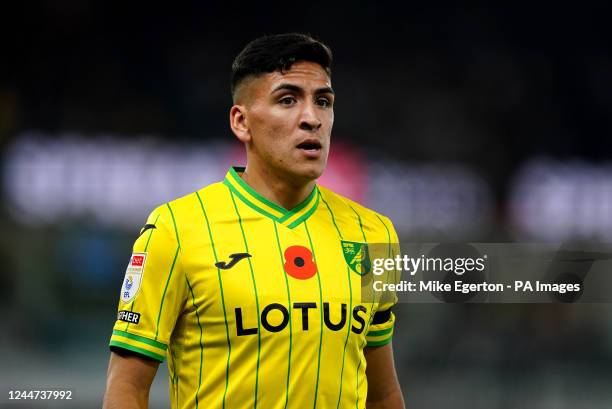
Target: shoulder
{"type": "Point", "coordinates": [181, 215]}
{"type": "Point", "coordinates": [345, 208]}
{"type": "Point", "coordinates": [184, 206]}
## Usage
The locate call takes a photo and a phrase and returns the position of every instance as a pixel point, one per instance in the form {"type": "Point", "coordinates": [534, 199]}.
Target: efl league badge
{"type": "Point", "coordinates": [357, 256]}
{"type": "Point", "coordinates": [133, 277]}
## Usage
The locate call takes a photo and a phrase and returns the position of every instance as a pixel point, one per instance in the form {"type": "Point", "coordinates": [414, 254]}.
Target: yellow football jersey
{"type": "Point", "coordinates": [255, 305]}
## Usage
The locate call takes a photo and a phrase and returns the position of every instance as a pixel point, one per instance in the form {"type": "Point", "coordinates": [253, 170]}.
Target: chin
{"type": "Point", "coordinates": [309, 173]}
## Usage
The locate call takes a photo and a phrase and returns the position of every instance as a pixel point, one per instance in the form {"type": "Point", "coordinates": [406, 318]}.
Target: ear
{"type": "Point", "coordinates": [239, 123]}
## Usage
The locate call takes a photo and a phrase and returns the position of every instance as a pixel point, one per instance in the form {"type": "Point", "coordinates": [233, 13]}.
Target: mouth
{"type": "Point", "coordinates": [310, 145]}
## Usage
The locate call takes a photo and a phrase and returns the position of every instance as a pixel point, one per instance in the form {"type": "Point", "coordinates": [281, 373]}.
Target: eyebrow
{"type": "Point", "coordinates": [295, 88]}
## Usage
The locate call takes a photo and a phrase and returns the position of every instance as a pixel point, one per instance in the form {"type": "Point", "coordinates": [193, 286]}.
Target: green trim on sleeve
{"type": "Point", "coordinates": [379, 332]}
{"type": "Point", "coordinates": [379, 343]}
{"type": "Point", "coordinates": [141, 351]}
{"type": "Point", "coordinates": [138, 338]}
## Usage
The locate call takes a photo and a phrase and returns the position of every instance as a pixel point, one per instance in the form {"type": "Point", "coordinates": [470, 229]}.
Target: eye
{"type": "Point", "coordinates": [288, 100]}
{"type": "Point", "coordinates": [324, 102]}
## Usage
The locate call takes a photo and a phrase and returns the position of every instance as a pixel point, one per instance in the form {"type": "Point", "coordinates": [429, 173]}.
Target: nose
{"type": "Point", "coordinates": [309, 120]}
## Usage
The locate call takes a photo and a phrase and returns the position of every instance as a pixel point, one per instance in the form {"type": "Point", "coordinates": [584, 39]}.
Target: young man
{"type": "Point", "coordinates": [249, 286]}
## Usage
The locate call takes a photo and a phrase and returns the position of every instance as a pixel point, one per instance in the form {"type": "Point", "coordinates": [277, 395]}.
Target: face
{"type": "Point", "coordinates": [285, 120]}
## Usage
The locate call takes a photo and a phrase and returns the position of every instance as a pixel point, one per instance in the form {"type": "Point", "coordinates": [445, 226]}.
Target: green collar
{"type": "Point", "coordinates": [288, 218]}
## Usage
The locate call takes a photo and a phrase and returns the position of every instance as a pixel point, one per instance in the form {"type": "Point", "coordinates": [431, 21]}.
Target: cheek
{"type": "Point", "coordinates": [271, 123]}
{"type": "Point", "coordinates": [328, 124]}
{"type": "Point", "coordinates": [276, 129]}
{"type": "Point", "coordinates": [271, 137]}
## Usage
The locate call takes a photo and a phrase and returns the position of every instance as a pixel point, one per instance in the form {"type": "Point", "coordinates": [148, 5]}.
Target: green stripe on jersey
{"type": "Point", "coordinates": [161, 304]}
{"type": "Point", "coordinates": [229, 344]}
{"type": "Point", "coordinates": [246, 248]}
{"type": "Point", "coordinates": [350, 316]}
{"type": "Point", "coordinates": [321, 318]}
{"type": "Point", "coordinates": [195, 306]}
{"type": "Point", "coordinates": [365, 241]}
{"type": "Point", "coordinates": [282, 269]}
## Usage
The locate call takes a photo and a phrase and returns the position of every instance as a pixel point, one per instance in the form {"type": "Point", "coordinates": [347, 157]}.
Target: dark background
{"type": "Point", "coordinates": [485, 92]}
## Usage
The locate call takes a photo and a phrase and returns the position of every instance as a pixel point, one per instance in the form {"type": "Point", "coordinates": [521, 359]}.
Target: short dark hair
{"type": "Point", "coordinates": [278, 52]}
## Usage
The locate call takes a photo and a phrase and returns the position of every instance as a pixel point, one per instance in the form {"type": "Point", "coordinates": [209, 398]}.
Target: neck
{"type": "Point", "coordinates": [277, 189]}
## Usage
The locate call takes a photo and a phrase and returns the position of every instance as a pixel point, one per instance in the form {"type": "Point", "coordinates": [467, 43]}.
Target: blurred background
{"type": "Point", "coordinates": [462, 124]}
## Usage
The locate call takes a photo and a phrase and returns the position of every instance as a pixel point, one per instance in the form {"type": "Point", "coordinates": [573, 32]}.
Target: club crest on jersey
{"type": "Point", "coordinates": [357, 256]}
{"type": "Point", "coordinates": [133, 277]}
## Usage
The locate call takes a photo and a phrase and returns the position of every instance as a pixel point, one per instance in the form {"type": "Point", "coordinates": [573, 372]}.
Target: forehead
{"type": "Point", "coordinates": [305, 74]}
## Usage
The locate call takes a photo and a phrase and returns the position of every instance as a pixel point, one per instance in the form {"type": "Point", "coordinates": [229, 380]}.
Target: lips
{"type": "Point", "coordinates": [310, 145]}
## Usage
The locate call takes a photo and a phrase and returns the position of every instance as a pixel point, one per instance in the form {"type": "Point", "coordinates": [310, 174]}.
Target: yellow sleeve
{"type": "Point", "coordinates": [153, 291]}
{"type": "Point", "coordinates": [380, 331]}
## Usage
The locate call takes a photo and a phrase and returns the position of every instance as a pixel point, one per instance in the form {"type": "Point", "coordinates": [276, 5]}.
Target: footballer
{"type": "Point", "coordinates": [249, 286]}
